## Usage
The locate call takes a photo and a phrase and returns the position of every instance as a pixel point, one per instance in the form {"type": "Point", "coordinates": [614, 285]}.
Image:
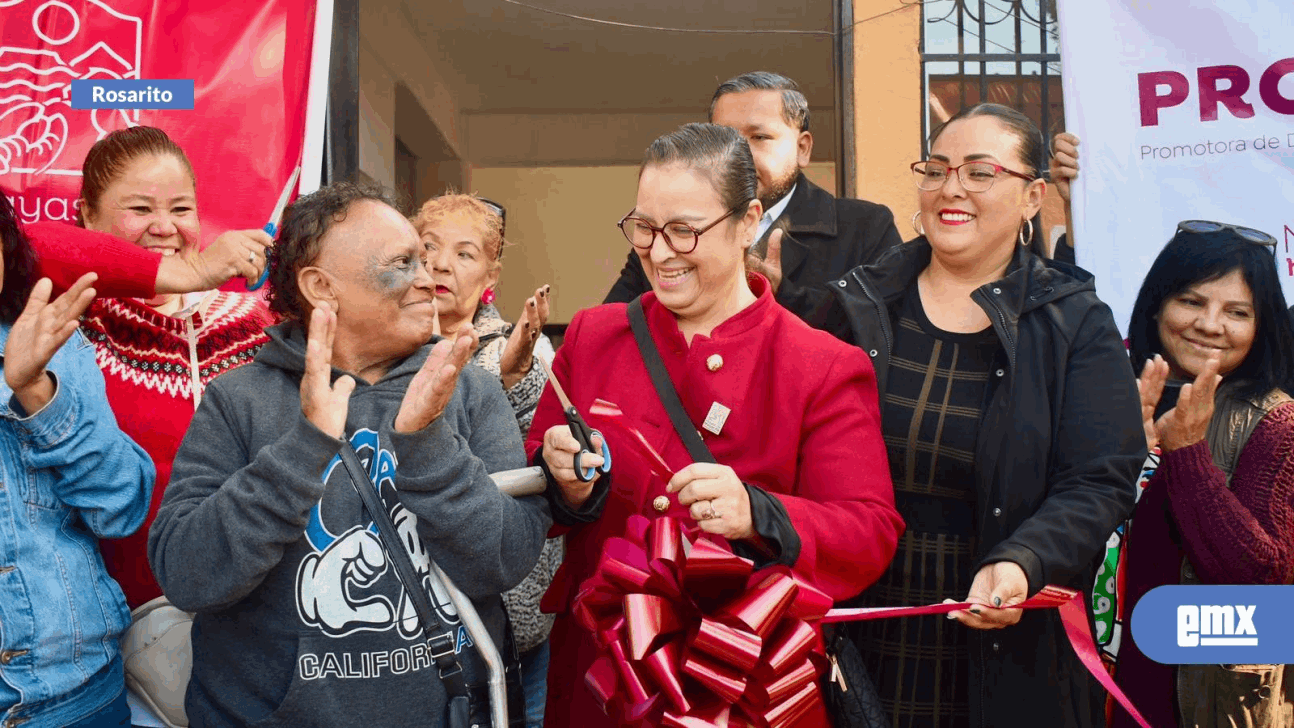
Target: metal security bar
{"type": "Point", "coordinates": [1004, 51]}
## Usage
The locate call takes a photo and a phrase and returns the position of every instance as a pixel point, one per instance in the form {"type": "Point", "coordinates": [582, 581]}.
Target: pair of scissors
{"type": "Point", "coordinates": [581, 431]}
{"type": "Point", "coordinates": [272, 227]}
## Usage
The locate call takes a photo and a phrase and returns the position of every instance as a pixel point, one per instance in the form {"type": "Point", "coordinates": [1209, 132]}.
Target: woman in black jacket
{"type": "Point", "coordinates": [1013, 428]}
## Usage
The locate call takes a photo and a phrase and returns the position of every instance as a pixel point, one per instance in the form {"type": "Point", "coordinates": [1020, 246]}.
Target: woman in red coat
{"type": "Point", "coordinates": [789, 413]}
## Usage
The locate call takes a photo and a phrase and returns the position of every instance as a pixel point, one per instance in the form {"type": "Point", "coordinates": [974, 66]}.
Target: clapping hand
{"type": "Point", "coordinates": [41, 328]}
{"type": "Point", "coordinates": [518, 353]}
{"type": "Point", "coordinates": [324, 402]}
{"type": "Point", "coordinates": [434, 384]}
{"type": "Point", "coordinates": [1150, 387]}
{"type": "Point", "coordinates": [769, 266]}
{"type": "Point", "coordinates": [1188, 422]}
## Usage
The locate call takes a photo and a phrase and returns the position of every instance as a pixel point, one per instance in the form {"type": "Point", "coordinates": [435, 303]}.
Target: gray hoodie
{"type": "Point", "coordinates": [300, 617]}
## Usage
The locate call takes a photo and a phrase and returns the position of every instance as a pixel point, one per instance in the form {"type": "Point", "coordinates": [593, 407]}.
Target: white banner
{"type": "Point", "coordinates": [1185, 111]}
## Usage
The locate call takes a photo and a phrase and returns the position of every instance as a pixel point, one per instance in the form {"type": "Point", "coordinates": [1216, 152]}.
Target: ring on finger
{"type": "Point", "coordinates": [251, 256]}
{"type": "Point", "coordinates": [709, 511]}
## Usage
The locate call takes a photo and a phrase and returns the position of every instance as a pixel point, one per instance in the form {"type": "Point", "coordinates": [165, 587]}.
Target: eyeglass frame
{"type": "Point", "coordinates": [997, 168]}
{"type": "Point", "coordinates": [696, 234]}
{"type": "Point", "coordinates": [1264, 239]}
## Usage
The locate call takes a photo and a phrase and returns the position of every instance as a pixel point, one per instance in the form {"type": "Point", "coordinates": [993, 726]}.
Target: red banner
{"type": "Point", "coordinates": [250, 60]}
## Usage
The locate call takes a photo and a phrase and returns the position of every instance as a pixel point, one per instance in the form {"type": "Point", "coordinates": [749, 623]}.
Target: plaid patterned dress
{"type": "Point", "coordinates": [930, 412]}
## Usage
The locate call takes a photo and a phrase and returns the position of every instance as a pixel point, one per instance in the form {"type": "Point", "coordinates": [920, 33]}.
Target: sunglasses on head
{"type": "Point", "coordinates": [496, 208]}
{"type": "Point", "coordinates": [499, 210]}
{"type": "Point", "coordinates": [1257, 237]}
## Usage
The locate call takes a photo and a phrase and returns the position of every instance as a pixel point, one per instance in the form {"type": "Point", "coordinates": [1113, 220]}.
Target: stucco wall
{"type": "Point", "coordinates": [887, 105]}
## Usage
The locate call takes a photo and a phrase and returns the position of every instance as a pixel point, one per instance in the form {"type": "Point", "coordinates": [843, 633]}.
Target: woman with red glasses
{"type": "Point", "coordinates": [1012, 422]}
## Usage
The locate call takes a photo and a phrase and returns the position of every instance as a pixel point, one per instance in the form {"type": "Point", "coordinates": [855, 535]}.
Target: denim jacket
{"type": "Point", "coordinates": [68, 476]}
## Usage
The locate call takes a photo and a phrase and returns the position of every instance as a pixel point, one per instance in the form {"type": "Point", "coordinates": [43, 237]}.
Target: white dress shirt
{"type": "Point", "coordinates": [772, 213]}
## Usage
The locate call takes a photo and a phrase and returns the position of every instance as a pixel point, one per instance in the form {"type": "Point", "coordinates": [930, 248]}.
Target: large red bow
{"type": "Point", "coordinates": [692, 637]}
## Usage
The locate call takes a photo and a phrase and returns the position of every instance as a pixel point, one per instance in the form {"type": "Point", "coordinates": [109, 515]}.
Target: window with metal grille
{"type": "Point", "coordinates": [1002, 51]}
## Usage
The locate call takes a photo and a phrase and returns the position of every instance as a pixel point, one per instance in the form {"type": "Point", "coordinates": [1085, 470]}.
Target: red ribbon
{"type": "Point", "coordinates": [680, 650]}
{"type": "Point", "coordinates": [1073, 614]}
{"type": "Point", "coordinates": [612, 418]}
{"type": "Point", "coordinates": [677, 653]}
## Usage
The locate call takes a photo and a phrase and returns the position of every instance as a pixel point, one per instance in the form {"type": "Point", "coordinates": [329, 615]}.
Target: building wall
{"type": "Point", "coordinates": [397, 69]}
{"type": "Point", "coordinates": [888, 108]}
{"type": "Point", "coordinates": [376, 119]}
{"type": "Point", "coordinates": [887, 105]}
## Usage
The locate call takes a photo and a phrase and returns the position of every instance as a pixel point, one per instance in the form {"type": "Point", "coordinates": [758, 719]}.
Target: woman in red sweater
{"type": "Point", "coordinates": [1220, 507]}
{"type": "Point", "coordinates": [158, 353]}
{"type": "Point", "coordinates": [801, 476]}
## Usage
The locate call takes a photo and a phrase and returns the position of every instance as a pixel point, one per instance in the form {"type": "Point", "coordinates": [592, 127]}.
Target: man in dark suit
{"type": "Point", "coordinates": [807, 237]}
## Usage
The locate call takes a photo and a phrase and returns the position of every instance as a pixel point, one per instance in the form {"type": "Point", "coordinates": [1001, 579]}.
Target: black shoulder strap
{"type": "Point", "coordinates": [664, 387]}
{"type": "Point", "coordinates": [439, 638]}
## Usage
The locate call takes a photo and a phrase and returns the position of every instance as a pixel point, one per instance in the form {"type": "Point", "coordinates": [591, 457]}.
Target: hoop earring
{"type": "Point", "coordinates": [916, 223]}
{"type": "Point", "coordinates": [1025, 238]}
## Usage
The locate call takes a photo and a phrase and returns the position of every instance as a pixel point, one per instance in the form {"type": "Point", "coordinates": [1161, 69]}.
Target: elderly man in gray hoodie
{"type": "Point", "coordinates": [301, 619]}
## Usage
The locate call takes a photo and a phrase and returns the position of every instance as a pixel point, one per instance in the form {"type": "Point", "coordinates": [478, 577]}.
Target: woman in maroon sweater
{"type": "Point", "coordinates": [1211, 319]}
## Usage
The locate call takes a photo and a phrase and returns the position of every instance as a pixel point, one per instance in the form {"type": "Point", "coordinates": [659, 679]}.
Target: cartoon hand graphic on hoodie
{"type": "Point", "coordinates": [324, 584]}
{"type": "Point", "coordinates": [406, 524]}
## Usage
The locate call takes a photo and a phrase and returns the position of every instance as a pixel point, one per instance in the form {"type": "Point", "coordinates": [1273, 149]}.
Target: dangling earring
{"type": "Point", "coordinates": [1026, 237]}
{"type": "Point", "coordinates": [916, 223]}
{"type": "Point", "coordinates": [487, 297]}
